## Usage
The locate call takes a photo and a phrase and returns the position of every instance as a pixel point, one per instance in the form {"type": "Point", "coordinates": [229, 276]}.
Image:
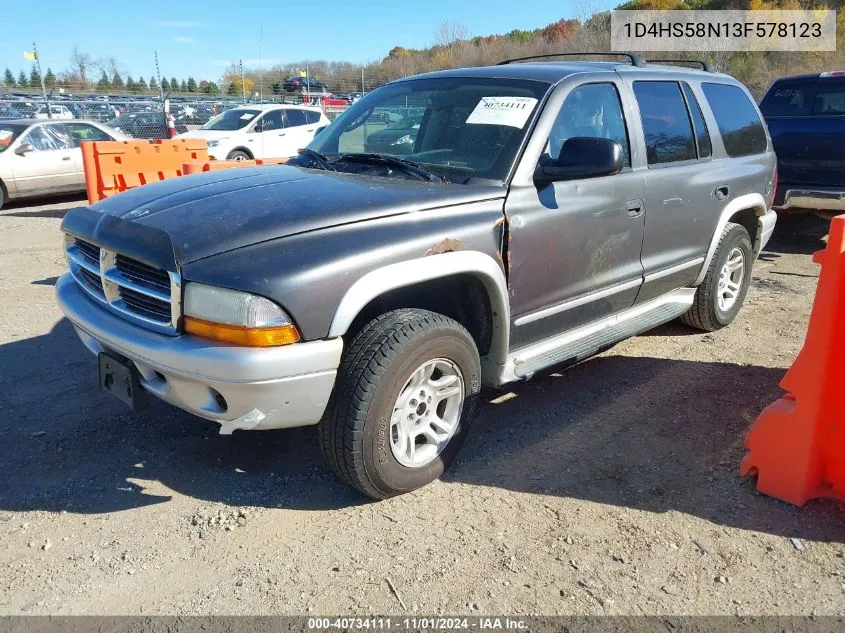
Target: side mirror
{"type": "Point", "coordinates": [581, 157]}
{"type": "Point", "coordinates": [24, 149]}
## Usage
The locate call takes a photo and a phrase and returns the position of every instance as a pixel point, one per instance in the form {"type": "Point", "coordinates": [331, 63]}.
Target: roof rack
{"type": "Point", "coordinates": [635, 60]}
{"type": "Point", "coordinates": [705, 66]}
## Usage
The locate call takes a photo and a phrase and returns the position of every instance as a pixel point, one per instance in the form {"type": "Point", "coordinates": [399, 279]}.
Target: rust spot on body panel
{"type": "Point", "coordinates": [447, 245]}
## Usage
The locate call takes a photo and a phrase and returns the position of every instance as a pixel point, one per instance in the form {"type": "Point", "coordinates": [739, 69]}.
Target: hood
{"type": "Point", "coordinates": [219, 211]}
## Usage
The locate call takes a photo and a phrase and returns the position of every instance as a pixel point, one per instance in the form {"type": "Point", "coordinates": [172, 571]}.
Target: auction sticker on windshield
{"type": "Point", "coordinates": [510, 111]}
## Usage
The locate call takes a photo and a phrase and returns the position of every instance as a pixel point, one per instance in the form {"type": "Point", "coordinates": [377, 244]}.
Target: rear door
{"type": "Point", "coordinates": [299, 130]}
{"type": "Point", "coordinates": [50, 167]}
{"type": "Point", "coordinates": [681, 185]}
{"type": "Point", "coordinates": [83, 132]}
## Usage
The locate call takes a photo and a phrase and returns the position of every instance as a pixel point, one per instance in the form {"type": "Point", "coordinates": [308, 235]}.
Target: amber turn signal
{"type": "Point", "coordinates": [243, 336]}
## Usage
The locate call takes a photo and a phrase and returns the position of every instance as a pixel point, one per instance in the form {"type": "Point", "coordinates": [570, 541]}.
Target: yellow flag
{"type": "Point", "coordinates": [31, 56]}
{"type": "Point", "coordinates": [302, 73]}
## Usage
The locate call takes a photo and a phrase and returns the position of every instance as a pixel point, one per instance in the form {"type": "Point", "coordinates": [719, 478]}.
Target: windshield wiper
{"type": "Point", "coordinates": [408, 166]}
{"type": "Point", "coordinates": [317, 159]}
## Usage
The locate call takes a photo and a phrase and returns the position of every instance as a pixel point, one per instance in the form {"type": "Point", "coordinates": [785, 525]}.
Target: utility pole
{"type": "Point", "coordinates": [260, 74]}
{"type": "Point", "coordinates": [41, 75]}
{"type": "Point", "coordinates": [362, 82]}
{"type": "Point", "coordinates": [243, 83]}
{"type": "Point", "coordinates": [158, 78]}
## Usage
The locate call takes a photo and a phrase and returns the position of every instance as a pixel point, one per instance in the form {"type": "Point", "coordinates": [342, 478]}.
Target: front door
{"type": "Point", "coordinates": [50, 166]}
{"type": "Point", "coordinates": [574, 250]}
{"type": "Point", "coordinates": [272, 135]}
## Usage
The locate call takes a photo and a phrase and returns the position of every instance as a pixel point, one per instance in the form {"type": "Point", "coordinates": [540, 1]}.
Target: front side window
{"type": "Point", "coordinates": [594, 111]}
{"type": "Point", "coordinates": [47, 138]}
{"type": "Point", "coordinates": [231, 120]}
{"type": "Point", "coordinates": [459, 128]}
{"type": "Point", "coordinates": [702, 136]}
{"type": "Point", "coordinates": [740, 126]}
{"type": "Point", "coordinates": [270, 121]}
{"type": "Point", "coordinates": [312, 117]}
{"type": "Point", "coordinates": [666, 122]}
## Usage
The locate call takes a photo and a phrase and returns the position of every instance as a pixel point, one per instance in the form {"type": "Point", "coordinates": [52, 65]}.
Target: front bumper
{"type": "Point", "coordinates": [261, 388]}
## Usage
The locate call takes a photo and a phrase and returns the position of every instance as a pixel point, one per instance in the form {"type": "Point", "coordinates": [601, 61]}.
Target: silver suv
{"type": "Point", "coordinates": [514, 218]}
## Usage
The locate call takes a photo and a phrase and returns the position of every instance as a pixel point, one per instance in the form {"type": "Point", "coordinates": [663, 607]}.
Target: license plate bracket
{"type": "Point", "coordinates": [120, 378]}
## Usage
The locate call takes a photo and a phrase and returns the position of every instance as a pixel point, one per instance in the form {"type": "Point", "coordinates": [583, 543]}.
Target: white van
{"type": "Point", "coordinates": [260, 131]}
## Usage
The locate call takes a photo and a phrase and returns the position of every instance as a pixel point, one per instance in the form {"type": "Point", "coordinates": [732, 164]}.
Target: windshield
{"type": "Point", "coordinates": [459, 128]}
{"type": "Point", "coordinates": [8, 134]}
{"type": "Point", "coordinates": [231, 119]}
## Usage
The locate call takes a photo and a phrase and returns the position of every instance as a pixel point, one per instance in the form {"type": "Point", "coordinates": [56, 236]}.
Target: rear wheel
{"type": "Point", "coordinates": [405, 396]}
{"type": "Point", "coordinates": [238, 155]}
{"type": "Point", "coordinates": [720, 296]}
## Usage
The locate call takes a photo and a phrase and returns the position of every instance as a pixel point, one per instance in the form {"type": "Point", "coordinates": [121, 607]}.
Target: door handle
{"type": "Point", "coordinates": [282, 134]}
{"type": "Point", "coordinates": [721, 192]}
{"type": "Point", "coordinates": [65, 157]}
{"type": "Point", "coordinates": [634, 208]}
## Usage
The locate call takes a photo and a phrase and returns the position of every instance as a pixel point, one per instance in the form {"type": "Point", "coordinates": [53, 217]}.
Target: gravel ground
{"type": "Point", "coordinates": [610, 488]}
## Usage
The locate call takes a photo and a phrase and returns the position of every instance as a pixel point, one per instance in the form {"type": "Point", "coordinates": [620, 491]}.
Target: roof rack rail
{"type": "Point", "coordinates": [636, 60]}
{"type": "Point", "coordinates": [705, 66]}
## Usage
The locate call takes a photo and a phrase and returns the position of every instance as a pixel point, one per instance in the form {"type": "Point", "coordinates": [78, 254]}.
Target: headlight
{"type": "Point", "coordinates": [236, 317]}
{"type": "Point", "coordinates": [214, 142]}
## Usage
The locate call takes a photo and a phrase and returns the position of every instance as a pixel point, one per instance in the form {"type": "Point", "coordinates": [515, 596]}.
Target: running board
{"type": "Point", "coordinates": [582, 342]}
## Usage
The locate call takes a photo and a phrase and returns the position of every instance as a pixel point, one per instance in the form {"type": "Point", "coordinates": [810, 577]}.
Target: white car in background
{"type": "Point", "coordinates": [260, 131]}
{"type": "Point", "coordinates": [57, 113]}
{"type": "Point", "coordinates": [41, 158]}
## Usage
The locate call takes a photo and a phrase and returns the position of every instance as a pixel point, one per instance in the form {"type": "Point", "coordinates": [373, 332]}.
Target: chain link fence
{"type": "Point", "coordinates": [145, 118]}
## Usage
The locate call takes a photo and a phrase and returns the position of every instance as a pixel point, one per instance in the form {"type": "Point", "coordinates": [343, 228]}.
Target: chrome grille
{"type": "Point", "coordinates": [136, 291]}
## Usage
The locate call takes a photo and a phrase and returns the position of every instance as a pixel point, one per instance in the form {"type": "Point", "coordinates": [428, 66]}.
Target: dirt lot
{"type": "Point", "coordinates": [611, 488]}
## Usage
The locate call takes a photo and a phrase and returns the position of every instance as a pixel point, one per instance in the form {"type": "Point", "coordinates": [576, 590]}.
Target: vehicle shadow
{"type": "Point", "coordinates": [800, 234]}
{"type": "Point", "coordinates": [645, 433]}
{"type": "Point", "coordinates": [33, 208]}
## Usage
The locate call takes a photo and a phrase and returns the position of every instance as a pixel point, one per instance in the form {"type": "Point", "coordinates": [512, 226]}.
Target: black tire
{"type": "Point", "coordinates": [705, 313]}
{"type": "Point", "coordinates": [2, 195]}
{"type": "Point", "coordinates": [238, 154]}
{"type": "Point", "coordinates": [355, 430]}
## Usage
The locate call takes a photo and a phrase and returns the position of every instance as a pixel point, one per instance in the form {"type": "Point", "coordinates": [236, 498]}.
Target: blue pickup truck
{"type": "Point", "coordinates": [806, 119]}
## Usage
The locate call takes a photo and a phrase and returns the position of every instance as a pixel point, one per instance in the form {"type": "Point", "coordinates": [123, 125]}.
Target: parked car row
{"type": "Point", "coordinates": [260, 131]}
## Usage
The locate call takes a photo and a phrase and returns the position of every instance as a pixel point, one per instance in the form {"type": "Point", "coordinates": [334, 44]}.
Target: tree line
{"type": "Point", "coordinates": [452, 47]}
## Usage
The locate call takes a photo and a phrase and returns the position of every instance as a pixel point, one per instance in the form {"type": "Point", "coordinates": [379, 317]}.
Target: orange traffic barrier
{"type": "Point", "coordinates": [213, 165]}
{"type": "Point", "coordinates": [115, 166]}
{"type": "Point", "coordinates": [797, 445]}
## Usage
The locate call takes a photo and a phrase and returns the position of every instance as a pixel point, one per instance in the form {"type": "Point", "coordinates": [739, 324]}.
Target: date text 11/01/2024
{"type": "Point", "coordinates": [418, 623]}
{"type": "Point", "coordinates": [724, 29]}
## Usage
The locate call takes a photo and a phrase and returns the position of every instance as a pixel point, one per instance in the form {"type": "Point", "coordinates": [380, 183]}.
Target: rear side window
{"type": "Point", "coordinates": [311, 116]}
{"type": "Point", "coordinates": [741, 129]}
{"type": "Point", "coordinates": [666, 123]}
{"type": "Point", "coordinates": [702, 136]}
{"type": "Point", "coordinates": [789, 98]}
{"type": "Point", "coordinates": [830, 97]}
{"type": "Point", "coordinates": [295, 117]}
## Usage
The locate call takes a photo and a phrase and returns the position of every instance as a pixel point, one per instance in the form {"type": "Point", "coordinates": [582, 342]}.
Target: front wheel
{"type": "Point", "coordinates": [720, 296]}
{"type": "Point", "coordinates": [405, 396]}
